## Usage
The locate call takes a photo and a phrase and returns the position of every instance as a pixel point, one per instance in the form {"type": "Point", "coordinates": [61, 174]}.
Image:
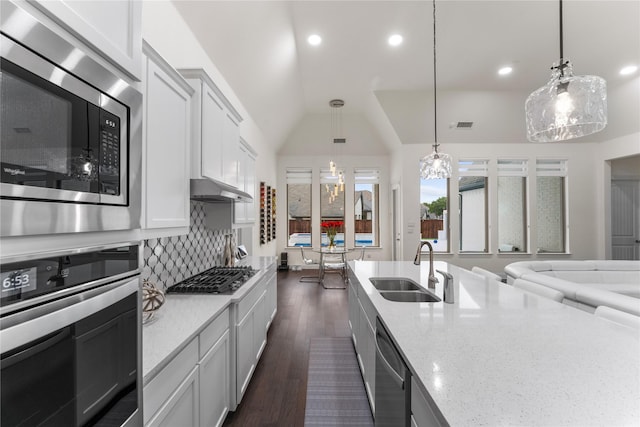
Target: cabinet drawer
{"type": "Point", "coordinates": [160, 388]}
{"type": "Point", "coordinates": [212, 332]}
{"type": "Point", "coordinates": [250, 300]}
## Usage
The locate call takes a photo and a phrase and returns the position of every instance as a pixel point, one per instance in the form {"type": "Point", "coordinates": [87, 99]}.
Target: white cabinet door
{"type": "Point", "coordinates": [166, 160]}
{"type": "Point", "coordinates": [245, 355]}
{"type": "Point", "coordinates": [182, 408]}
{"type": "Point", "coordinates": [213, 118]}
{"type": "Point", "coordinates": [216, 125]}
{"type": "Point", "coordinates": [260, 327]}
{"type": "Point", "coordinates": [112, 28]}
{"type": "Point", "coordinates": [215, 390]}
{"type": "Point", "coordinates": [230, 153]}
{"type": "Point", "coordinates": [272, 299]}
{"type": "Point", "coordinates": [250, 186]}
{"type": "Point", "coordinates": [240, 208]}
{"type": "Point", "coordinates": [245, 211]}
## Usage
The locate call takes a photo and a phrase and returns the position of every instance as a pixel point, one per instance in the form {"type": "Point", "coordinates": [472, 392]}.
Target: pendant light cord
{"type": "Point", "coordinates": [561, 65]}
{"type": "Point", "coordinates": [435, 98]}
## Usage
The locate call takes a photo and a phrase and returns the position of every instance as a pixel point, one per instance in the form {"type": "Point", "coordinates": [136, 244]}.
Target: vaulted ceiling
{"type": "Point", "coordinates": [261, 48]}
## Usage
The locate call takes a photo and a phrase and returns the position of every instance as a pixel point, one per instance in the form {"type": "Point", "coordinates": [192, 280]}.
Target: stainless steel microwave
{"type": "Point", "coordinates": [69, 136]}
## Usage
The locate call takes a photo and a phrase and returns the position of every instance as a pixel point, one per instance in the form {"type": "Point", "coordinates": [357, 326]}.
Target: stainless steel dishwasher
{"type": "Point", "coordinates": [393, 383]}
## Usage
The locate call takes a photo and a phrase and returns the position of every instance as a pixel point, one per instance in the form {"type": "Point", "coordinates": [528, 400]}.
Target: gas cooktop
{"type": "Point", "coordinates": [216, 280]}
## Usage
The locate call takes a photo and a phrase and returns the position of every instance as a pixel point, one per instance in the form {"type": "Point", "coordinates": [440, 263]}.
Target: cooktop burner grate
{"type": "Point", "coordinates": [216, 280]}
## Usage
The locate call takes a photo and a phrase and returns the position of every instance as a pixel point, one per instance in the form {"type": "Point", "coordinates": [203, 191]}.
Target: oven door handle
{"type": "Point", "coordinates": [33, 324]}
{"type": "Point", "coordinates": [48, 342]}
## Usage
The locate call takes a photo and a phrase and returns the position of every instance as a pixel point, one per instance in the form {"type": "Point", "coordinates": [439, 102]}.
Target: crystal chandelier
{"type": "Point", "coordinates": [436, 165]}
{"type": "Point", "coordinates": [567, 106]}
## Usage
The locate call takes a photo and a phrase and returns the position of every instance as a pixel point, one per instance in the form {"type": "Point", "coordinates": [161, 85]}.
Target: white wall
{"type": "Point", "coordinates": [165, 30]}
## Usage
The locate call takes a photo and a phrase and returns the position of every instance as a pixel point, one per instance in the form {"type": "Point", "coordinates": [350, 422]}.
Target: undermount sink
{"type": "Point", "coordinates": [394, 284]}
{"type": "Point", "coordinates": [409, 296]}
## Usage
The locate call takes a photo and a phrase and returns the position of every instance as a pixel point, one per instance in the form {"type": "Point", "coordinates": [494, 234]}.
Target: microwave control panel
{"type": "Point", "coordinates": [109, 153]}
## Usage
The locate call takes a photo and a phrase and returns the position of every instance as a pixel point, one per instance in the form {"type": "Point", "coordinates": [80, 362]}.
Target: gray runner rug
{"type": "Point", "coordinates": [335, 390]}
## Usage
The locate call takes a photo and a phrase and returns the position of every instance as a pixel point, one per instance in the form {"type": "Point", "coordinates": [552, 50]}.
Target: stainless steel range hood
{"type": "Point", "coordinates": [208, 190]}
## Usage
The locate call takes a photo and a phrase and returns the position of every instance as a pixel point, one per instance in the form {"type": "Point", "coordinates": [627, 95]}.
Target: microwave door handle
{"type": "Point", "coordinates": [38, 348]}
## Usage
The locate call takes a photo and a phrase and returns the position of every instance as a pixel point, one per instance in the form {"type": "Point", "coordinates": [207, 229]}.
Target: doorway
{"type": "Point", "coordinates": [625, 208]}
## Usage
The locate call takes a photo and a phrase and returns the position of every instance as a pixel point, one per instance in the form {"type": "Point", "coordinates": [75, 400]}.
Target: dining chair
{"type": "Point", "coordinates": [334, 263]}
{"type": "Point", "coordinates": [360, 253]}
{"type": "Point", "coordinates": [311, 262]}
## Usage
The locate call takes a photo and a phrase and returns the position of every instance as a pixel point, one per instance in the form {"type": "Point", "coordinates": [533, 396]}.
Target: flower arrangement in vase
{"type": "Point", "coordinates": [331, 228]}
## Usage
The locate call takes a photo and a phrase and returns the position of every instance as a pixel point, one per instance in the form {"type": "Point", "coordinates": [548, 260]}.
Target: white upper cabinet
{"type": "Point", "coordinates": [215, 131]}
{"type": "Point", "coordinates": [166, 147]}
{"type": "Point", "coordinates": [245, 211]}
{"type": "Point", "coordinates": [211, 135]}
{"type": "Point", "coordinates": [230, 150]}
{"type": "Point", "coordinates": [111, 28]}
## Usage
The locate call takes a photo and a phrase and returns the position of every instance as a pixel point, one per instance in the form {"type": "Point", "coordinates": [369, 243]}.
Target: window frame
{"type": "Point", "coordinates": [364, 176]}
{"type": "Point", "coordinates": [299, 176]}
{"type": "Point", "coordinates": [515, 168]}
{"type": "Point", "coordinates": [553, 167]}
{"type": "Point", "coordinates": [474, 168]}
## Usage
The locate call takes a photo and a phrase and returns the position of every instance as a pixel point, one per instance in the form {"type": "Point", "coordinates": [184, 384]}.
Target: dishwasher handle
{"type": "Point", "coordinates": [380, 338]}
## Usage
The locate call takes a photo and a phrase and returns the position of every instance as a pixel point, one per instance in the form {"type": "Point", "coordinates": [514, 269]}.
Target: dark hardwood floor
{"type": "Point", "coordinates": [277, 392]}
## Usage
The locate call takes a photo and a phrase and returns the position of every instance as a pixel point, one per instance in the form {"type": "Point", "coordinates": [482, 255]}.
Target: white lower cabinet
{"type": "Point", "coordinates": [215, 388]}
{"type": "Point", "coordinates": [421, 413]}
{"type": "Point", "coordinates": [182, 407]}
{"type": "Point", "coordinates": [362, 318]}
{"type": "Point", "coordinates": [167, 391]}
{"type": "Point", "coordinates": [209, 376]}
{"type": "Point", "coordinates": [250, 337]}
{"type": "Point", "coordinates": [253, 315]}
{"type": "Point", "coordinates": [194, 388]}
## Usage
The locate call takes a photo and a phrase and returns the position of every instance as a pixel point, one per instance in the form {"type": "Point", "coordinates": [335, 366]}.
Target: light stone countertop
{"type": "Point", "coordinates": [184, 316]}
{"type": "Point", "coordinates": [499, 356]}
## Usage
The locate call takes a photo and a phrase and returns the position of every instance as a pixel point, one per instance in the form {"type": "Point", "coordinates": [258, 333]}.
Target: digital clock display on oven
{"type": "Point", "coordinates": [18, 281]}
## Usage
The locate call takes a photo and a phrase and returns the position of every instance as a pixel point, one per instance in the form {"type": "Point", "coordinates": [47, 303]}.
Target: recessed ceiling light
{"type": "Point", "coordinates": [395, 40]}
{"type": "Point", "coordinates": [629, 69]}
{"type": "Point", "coordinates": [314, 40]}
{"type": "Point", "coordinates": [505, 71]}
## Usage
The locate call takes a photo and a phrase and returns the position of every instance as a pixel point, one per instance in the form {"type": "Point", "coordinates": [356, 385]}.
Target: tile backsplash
{"type": "Point", "coordinates": [169, 260]}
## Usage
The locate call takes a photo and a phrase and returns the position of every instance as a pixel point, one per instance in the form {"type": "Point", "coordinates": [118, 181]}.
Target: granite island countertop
{"type": "Point", "coordinates": [500, 356]}
{"type": "Point", "coordinates": [183, 316]}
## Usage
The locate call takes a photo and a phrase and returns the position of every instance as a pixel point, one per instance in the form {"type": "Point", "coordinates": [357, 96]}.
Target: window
{"type": "Point", "coordinates": [331, 204]}
{"type": "Point", "coordinates": [472, 195]}
{"type": "Point", "coordinates": [550, 205]}
{"type": "Point", "coordinates": [299, 206]}
{"type": "Point", "coordinates": [365, 208]}
{"type": "Point", "coordinates": [512, 205]}
{"type": "Point", "coordinates": [434, 205]}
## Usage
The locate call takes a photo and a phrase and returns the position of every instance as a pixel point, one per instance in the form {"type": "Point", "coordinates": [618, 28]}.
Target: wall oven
{"type": "Point", "coordinates": [70, 329]}
{"type": "Point", "coordinates": [70, 135]}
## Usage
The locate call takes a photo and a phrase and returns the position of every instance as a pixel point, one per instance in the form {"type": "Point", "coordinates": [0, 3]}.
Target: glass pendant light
{"type": "Point", "coordinates": [436, 165]}
{"type": "Point", "coordinates": [567, 106]}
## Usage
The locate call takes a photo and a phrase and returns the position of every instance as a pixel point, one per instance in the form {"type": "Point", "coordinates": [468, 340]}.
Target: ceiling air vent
{"type": "Point", "coordinates": [339, 140]}
{"type": "Point", "coordinates": [464, 125]}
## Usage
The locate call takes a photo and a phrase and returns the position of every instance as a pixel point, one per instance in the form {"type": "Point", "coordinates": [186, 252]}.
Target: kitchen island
{"type": "Point", "coordinates": [500, 356]}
